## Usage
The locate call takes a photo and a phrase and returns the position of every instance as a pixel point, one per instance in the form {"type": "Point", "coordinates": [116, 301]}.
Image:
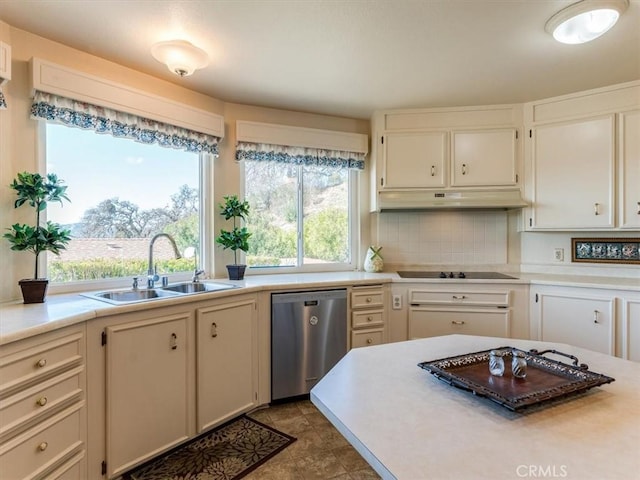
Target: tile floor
{"type": "Point", "coordinates": [320, 451]}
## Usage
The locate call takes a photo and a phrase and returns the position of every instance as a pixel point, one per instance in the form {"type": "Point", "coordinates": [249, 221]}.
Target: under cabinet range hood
{"type": "Point", "coordinates": [450, 199]}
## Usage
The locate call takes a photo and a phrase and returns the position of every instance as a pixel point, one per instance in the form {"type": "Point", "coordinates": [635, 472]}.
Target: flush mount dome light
{"type": "Point", "coordinates": [180, 56]}
{"type": "Point", "coordinates": [586, 20]}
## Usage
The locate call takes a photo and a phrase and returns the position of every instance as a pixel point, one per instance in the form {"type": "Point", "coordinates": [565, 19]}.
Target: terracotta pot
{"type": "Point", "coordinates": [236, 272]}
{"type": "Point", "coordinates": [34, 290]}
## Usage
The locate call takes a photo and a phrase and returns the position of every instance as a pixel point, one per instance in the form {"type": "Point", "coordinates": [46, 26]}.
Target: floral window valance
{"type": "Point", "coordinates": [299, 155]}
{"type": "Point", "coordinates": [119, 124]}
{"type": "Point", "coordinates": [3, 102]}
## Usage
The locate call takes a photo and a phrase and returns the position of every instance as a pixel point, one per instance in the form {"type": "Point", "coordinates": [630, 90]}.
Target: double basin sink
{"type": "Point", "coordinates": [135, 295]}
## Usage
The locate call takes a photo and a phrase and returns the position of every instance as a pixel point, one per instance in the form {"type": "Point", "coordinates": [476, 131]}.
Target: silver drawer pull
{"type": "Point", "coordinates": [173, 341]}
{"type": "Point", "coordinates": [459, 297]}
{"type": "Point", "coordinates": [596, 208]}
{"type": "Point", "coordinates": [596, 318]}
{"type": "Point", "coordinates": [464, 168]}
{"type": "Point", "coordinates": [214, 330]}
{"type": "Point", "coordinates": [457, 322]}
{"type": "Point", "coordinates": [41, 363]}
{"type": "Point", "coordinates": [433, 170]}
{"type": "Point", "coordinates": [43, 446]}
{"type": "Point", "coordinates": [638, 211]}
{"type": "Point", "coordinates": [369, 341]}
{"type": "Point", "coordinates": [42, 401]}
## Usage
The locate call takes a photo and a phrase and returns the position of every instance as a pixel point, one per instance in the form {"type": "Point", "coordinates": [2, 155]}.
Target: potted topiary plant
{"type": "Point", "coordinates": [37, 190]}
{"type": "Point", "coordinates": [236, 239]}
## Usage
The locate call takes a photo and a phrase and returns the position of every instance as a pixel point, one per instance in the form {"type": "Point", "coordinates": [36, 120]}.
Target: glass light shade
{"type": "Point", "coordinates": [180, 56]}
{"type": "Point", "coordinates": [585, 21]}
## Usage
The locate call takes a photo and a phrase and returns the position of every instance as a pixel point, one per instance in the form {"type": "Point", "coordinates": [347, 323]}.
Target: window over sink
{"type": "Point", "coordinates": [122, 193]}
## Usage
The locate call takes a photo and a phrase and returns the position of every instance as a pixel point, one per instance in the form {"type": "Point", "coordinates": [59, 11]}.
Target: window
{"type": "Point", "coordinates": [301, 216]}
{"type": "Point", "coordinates": [122, 193]}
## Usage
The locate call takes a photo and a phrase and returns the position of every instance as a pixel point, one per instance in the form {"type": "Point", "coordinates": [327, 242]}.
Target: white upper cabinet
{"type": "Point", "coordinates": [573, 165]}
{"type": "Point", "coordinates": [5, 62]}
{"type": "Point", "coordinates": [629, 157]}
{"type": "Point", "coordinates": [415, 160]}
{"type": "Point", "coordinates": [483, 157]}
{"type": "Point", "coordinates": [582, 160]}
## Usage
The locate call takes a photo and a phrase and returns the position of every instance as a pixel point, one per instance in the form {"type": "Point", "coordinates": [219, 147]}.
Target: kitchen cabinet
{"type": "Point", "coordinates": [630, 326]}
{"type": "Point", "coordinates": [415, 160]}
{"type": "Point", "coordinates": [573, 174]}
{"type": "Point", "coordinates": [483, 158]}
{"type": "Point", "coordinates": [147, 388]}
{"type": "Point", "coordinates": [577, 316]}
{"type": "Point", "coordinates": [629, 176]}
{"type": "Point", "coordinates": [445, 149]}
{"type": "Point", "coordinates": [43, 406]}
{"type": "Point", "coordinates": [582, 160]}
{"type": "Point", "coordinates": [5, 62]}
{"type": "Point", "coordinates": [227, 360]}
{"type": "Point", "coordinates": [368, 315]}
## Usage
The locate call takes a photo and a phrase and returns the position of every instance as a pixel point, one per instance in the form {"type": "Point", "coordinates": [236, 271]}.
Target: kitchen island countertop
{"type": "Point", "coordinates": [409, 425]}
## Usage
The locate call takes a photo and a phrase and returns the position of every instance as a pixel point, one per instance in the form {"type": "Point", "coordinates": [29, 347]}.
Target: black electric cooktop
{"type": "Point", "coordinates": [454, 275]}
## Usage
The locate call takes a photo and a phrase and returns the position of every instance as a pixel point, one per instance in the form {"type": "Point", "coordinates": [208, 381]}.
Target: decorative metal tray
{"type": "Point", "coordinates": [546, 379]}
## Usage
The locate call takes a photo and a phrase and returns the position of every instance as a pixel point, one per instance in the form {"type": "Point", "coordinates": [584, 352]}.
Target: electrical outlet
{"type": "Point", "coordinates": [558, 254]}
{"type": "Point", "coordinates": [396, 304]}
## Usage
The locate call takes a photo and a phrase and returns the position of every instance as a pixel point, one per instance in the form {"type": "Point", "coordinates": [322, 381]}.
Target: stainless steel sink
{"type": "Point", "coordinates": [117, 297]}
{"type": "Point", "coordinates": [197, 287]}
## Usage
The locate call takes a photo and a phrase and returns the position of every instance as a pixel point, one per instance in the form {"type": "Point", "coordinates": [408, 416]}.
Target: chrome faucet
{"type": "Point", "coordinates": [152, 272]}
{"type": "Point", "coordinates": [196, 271]}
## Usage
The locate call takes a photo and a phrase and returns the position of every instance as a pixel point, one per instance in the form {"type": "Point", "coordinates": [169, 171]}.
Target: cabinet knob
{"type": "Point", "coordinates": [369, 341]}
{"type": "Point", "coordinates": [41, 363]}
{"type": "Point", "coordinates": [368, 300]}
{"type": "Point", "coordinates": [596, 208]}
{"type": "Point", "coordinates": [43, 446]}
{"type": "Point", "coordinates": [457, 322]}
{"type": "Point", "coordinates": [464, 168]}
{"type": "Point", "coordinates": [42, 401]}
{"type": "Point", "coordinates": [369, 318]}
{"type": "Point", "coordinates": [214, 330]}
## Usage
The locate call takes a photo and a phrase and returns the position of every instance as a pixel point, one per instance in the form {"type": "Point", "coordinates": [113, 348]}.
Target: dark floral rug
{"type": "Point", "coordinates": [227, 453]}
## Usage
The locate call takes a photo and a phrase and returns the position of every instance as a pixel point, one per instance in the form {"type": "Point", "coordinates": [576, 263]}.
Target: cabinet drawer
{"type": "Point", "coordinates": [367, 318]}
{"type": "Point", "coordinates": [23, 409]}
{"type": "Point", "coordinates": [366, 338]}
{"type": "Point", "coordinates": [43, 448]}
{"type": "Point", "coordinates": [367, 298]}
{"type": "Point", "coordinates": [33, 364]}
{"type": "Point", "coordinates": [457, 297]}
{"type": "Point", "coordinates": [432, 323]}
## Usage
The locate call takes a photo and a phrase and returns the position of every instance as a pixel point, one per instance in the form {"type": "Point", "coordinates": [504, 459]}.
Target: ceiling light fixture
{"type": "Point", "coordinates": [180, 56]}
{"type": "Point", "coordinates": [585, 21]}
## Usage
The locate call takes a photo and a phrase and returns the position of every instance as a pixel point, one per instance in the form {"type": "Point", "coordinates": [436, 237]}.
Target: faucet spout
{"type": "Point", "coordinates": [152, 274]}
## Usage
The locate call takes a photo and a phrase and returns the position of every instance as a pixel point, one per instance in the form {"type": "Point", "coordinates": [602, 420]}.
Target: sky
{"type": "Point", "coordinates": [97, 167]}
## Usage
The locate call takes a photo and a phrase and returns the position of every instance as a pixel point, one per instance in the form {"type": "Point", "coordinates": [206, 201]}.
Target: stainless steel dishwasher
{"type": "Point", "coordinates": [308, 337]}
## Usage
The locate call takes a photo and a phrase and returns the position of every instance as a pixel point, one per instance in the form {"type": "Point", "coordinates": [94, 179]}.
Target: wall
{"type": "Point", "coordinates": [20, 151]}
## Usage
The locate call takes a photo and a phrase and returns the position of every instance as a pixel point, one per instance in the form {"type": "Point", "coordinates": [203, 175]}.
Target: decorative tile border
{"type": "Point", "coordinates": [605, 250]}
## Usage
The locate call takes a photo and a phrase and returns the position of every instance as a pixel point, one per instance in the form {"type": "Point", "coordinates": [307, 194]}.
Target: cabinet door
{"type": "Point", "coordinates": [629, 170]}
{"type": "Point", "coordinates": [580, 321]}
{"type": "Point", "coordinates": [146, 388]}
{"type": "Point", "coordinates": [433, 321]}
{"type": "Point", "coordinates": [573, 173]}
{"type": "Point", "coordinates": [631, 329]}
{"type": "Point", "coordinates": [414, 160]}
{"type": "Point", "coordinates": [483, 157]}
{"type": "Point", "coordinates": [227, 363]}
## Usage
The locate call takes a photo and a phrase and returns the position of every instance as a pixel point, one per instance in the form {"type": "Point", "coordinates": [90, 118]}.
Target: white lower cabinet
{"type": "Point", "coordinates": [434, 321]}
{"type": "Point", "coordinates": [582, 317]}
{"type": "Point", "coordinates": [630, 326]}
{"type": "Point", "coordinates": [147, 388]}
{"type": "Point", "coordinates": [227, 359]}
{"type": "Point", "coordinates": [368, 315]}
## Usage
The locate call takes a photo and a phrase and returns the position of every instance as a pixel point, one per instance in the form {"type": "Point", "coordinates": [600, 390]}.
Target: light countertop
{"type": "Point", "coordinates": [19, 321]}
{"type": "Point", "coordinates": [409, 425]}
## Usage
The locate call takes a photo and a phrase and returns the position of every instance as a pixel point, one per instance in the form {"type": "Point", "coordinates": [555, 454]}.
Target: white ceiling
{"type": "Point", "coordinates": [347, 57]}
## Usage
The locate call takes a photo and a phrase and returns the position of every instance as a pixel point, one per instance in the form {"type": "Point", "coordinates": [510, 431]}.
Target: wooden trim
{"type": "Point", "coordinates": [59, 80]}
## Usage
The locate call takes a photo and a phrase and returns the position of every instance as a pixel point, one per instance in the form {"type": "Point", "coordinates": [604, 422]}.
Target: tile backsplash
{"type": "Point", "coordinates": [442, 237]}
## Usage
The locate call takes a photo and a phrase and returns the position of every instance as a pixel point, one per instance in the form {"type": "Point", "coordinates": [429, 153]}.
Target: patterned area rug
{"type": "Point", "coordinates": [227, 453]}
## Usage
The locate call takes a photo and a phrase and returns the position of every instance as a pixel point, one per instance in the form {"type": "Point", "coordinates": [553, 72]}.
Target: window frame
{"type": "Point", "coordinates": [205, 260]}
{"type": "Point", "coordinates": [354, 231]}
